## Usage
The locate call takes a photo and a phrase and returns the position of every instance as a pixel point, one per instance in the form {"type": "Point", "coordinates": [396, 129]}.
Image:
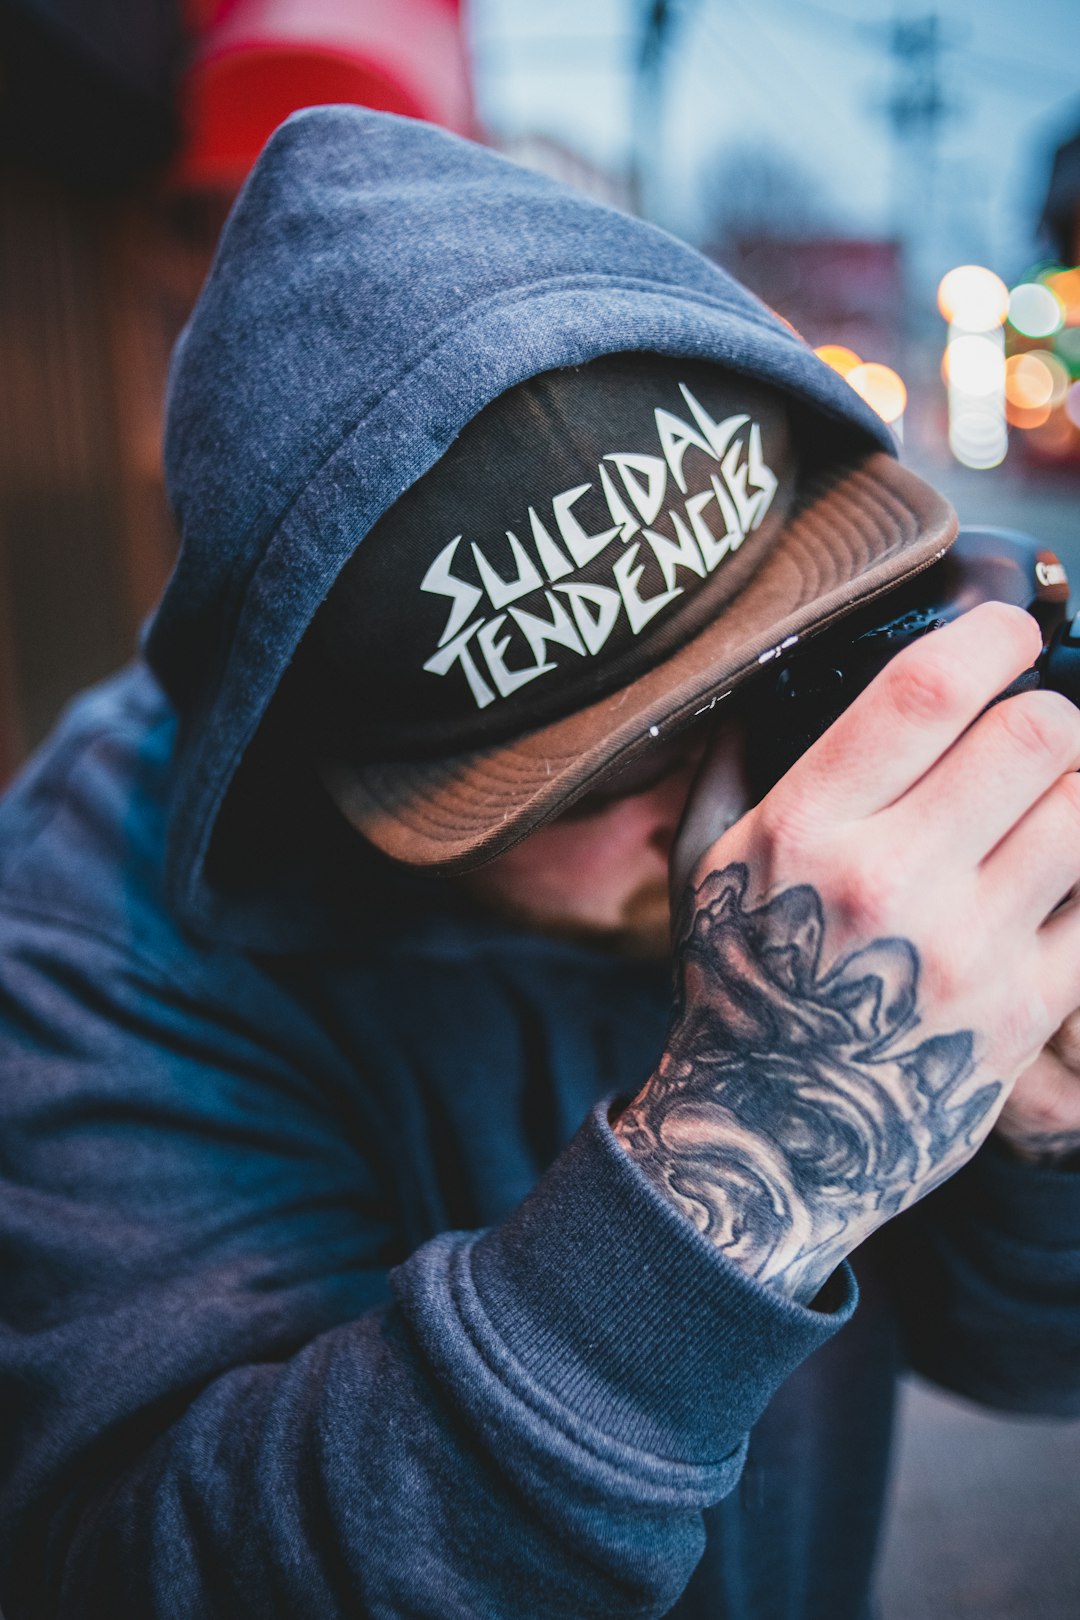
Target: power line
{"type": "Point", "coordinates": [810, 84]}
{"type": "Point", "coordinates": [621, 48]}
{"type": "Point", "coordinates": [878, 33]}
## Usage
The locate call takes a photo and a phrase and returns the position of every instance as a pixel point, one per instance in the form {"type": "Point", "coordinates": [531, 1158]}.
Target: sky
{"type": "Point", "coordinates": [810, 82]}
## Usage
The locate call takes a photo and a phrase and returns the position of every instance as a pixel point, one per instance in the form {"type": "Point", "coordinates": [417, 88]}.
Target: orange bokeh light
{"type": "Point", "coordinates": [841, 359]}
{"type": "Point", "coordinates": [1065, 285]}
{"type": "Point", "coordinates": [1029, 383]}
{"type": "Point", "coordinates": [882, 389]}
{"type": "Point", "coordinates": [1020, 416]}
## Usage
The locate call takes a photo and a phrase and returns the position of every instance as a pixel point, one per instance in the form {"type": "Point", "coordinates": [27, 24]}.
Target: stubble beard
{"type": "Point", "coordinates": [642, 931]}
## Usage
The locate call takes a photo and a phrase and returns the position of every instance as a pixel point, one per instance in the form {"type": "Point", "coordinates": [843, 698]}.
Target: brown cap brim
{"type": "Point", "coordinates": [857, 533]}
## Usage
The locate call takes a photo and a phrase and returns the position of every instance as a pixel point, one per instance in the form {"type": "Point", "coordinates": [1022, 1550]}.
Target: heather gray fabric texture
{"type": "Point", "coordinates": [319, 1300]}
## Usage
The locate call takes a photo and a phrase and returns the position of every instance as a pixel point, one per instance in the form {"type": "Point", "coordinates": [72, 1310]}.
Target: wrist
{"type": "Point", "coordinates": [725, 1180]}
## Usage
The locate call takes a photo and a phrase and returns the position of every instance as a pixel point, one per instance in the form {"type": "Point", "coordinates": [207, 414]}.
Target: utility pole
{"type": "Point", "coordinates": [648, 98]}
{"type": "Point", "coordinates": [917, 108]}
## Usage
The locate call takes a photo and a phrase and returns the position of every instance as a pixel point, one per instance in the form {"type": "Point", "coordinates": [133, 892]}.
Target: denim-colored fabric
{"type": "Point", "coordinates": [325, 1290]}
{"type": "Point", "coordinates": [219, 1399]}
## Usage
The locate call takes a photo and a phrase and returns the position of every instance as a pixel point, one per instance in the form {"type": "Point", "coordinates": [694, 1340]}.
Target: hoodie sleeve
{"type": "Point", "coordinates": [987, 1275]}
{"type": "Point", "coordinates": [221, 1400]}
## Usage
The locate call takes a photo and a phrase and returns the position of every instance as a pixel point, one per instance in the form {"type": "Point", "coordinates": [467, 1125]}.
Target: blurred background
{"type": "Point", "coordinates": [900, 179]}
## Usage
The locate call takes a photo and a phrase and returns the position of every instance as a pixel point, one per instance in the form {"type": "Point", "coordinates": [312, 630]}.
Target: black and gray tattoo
{"type": "Point", "coordinates": [792, 1113]}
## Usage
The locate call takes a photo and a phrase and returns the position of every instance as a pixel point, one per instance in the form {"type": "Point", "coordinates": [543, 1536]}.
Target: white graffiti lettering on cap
{"type": "Point", "coordinates": [579, 615]}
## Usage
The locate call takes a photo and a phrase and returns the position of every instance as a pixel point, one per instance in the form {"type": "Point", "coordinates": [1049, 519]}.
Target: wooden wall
{"type": "Point", "coordinates": [92, 293]}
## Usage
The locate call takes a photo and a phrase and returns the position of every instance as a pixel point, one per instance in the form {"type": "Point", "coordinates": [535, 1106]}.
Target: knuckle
{"type": "Point", "coordinates": [782, 822]}
{"type": "Point", "coordinates": [942, 977]}
{"type": "Point", "coordinates": [865, 898]}
{"type": "Point", "coordinates": [1040, 724]}
{"type": "Point", "coordinates": [929, 686]}
{"type": "Point", "coordinates": [1018, 1037]}
{"type": "Point", "coordinates": [933, 680]}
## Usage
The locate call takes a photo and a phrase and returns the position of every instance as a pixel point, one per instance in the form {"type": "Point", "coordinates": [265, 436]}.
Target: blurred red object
{"type": "Point", "coordinates": [199, 15]}
{"type": "Point", "coordinates": [256, 61]}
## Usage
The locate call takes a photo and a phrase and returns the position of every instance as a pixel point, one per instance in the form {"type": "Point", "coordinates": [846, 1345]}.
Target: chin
{"type": "Point", "coordinates": [641, 929]}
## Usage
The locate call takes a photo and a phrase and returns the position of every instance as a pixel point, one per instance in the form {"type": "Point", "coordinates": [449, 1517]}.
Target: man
{"type": "Point", "coordinates": [378, 1240]}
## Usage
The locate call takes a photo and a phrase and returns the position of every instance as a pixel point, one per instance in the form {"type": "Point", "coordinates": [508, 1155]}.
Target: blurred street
{"type": "Point", "coordinates": [1044, 505]}
{"type": "Point", "coordinates": [985, 1515]}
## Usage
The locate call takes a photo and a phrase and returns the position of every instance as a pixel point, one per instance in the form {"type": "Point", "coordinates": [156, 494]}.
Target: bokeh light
{"type": "Point", "coordinates": [839, 357]}
{"type": "Point", "coordinates": [1035, 311]}
{"type": "Point", "coordinates": [978, 436]}
{"type": "Point", "coordinates": [1055, 438]}
{"type": "Point", "coordinates": [1065, 286]}
{"type": "Point", "coordinates": [1067, 347]}
{"type": "Point", "coordinates": [882, 389]}
{"type": "Point", "coordinates": [975, 365]}
{"type": "Point", "coordinates": [973, 298]}
{"type": "Point", "coordinates": [1029, 383]}
{"type": "Point", "coordinates": [1059, 374]}
{"type": "Point", "coordinates": [1072, 404]}
{"type": "Point", "coordinates": [974, 370]}
{"type": "Point", "coordinates": [1025, 417]}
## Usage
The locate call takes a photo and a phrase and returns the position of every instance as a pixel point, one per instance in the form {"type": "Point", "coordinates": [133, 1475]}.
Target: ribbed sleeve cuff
{"type": "Point", "coordinates": [598, 1296]}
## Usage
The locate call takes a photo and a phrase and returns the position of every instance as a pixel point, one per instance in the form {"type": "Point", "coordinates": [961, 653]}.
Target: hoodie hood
{"type": "Point", "coordinates": [377, 283]}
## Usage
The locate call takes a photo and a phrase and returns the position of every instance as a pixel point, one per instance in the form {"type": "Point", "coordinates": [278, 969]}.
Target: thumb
{"type": "Point", "coordinates": [719, 795]}
{"type": "Point", "coordinates": [1065, 1044]}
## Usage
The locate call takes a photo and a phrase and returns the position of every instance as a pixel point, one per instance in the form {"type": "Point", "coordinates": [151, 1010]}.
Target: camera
{"type": "Point", "coordinates": [792, 705]}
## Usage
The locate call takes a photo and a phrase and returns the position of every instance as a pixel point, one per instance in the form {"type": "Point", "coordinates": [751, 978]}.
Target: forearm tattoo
{"type": "Point", "coordinates": [792, 1111]}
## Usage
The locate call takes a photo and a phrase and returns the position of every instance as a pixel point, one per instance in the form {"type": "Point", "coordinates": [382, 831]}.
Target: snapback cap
{"type": "Point", "coordinates": [601, 557]}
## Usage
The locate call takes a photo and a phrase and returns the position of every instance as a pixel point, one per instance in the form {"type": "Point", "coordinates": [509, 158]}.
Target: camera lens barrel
{"type": "Point", "coordinates": [788, 708]}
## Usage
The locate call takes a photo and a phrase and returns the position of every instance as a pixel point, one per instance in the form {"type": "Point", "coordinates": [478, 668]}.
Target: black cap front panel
{"type": "Point", "coordinates": [580, 528]}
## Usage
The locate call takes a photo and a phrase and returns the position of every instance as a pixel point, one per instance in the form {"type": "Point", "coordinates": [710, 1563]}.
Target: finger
{"type": "Point", "coordinates": [1044, 1102]}
{"type": "Point", "coordinates": [990, 780]}
{"type": "Point", "coordinates": [914, 710]}
{"type": "Point", "coordinates": [1066, 1042]}
{"type": "Point", "coordinates": [1031, 870]}
{"type": "Point", "coordinates": [1059, 962]}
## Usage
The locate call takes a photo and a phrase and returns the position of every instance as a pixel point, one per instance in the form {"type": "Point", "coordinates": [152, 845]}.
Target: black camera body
{"type": "Point", "coordinates": [818, 678]}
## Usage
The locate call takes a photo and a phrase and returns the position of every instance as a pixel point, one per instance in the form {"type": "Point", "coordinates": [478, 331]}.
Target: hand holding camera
{"type": "Point", "coordinates": [871, 957]}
